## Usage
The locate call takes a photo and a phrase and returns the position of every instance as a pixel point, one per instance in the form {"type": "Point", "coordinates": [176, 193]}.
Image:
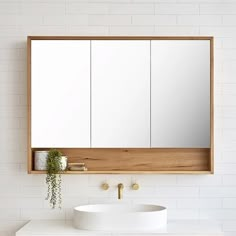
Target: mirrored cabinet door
{"type": "Point", "coordinates": [180, 93]}
{"type": "Point", "coordinates": [60, 93]}
{"type": "Point", "coordinates": [120, 93]}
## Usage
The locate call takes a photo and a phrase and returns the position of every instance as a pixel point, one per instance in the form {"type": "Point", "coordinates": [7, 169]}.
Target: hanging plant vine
{"type": "Point", "coordinates": [53, 178]}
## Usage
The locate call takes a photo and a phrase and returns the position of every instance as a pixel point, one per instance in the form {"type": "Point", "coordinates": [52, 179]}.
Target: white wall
{"type": "Point", "coordinates": [187, 196]}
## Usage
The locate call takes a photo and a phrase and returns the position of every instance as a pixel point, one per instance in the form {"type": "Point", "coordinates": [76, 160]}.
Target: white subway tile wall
{"type": "Point", "coordinates": [186, 196]}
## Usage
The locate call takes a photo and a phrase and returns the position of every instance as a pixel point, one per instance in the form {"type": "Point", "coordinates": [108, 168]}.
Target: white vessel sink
{"type": "Point", "coordinates": [116, 217]}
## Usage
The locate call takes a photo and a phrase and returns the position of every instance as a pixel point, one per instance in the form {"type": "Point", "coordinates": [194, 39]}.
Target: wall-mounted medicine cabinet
{"type": "Point", "coordinates": [122, 104]}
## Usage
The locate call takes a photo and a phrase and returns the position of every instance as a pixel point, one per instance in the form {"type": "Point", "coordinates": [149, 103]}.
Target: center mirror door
{"type": "Point", "coordinates": [120, 89]}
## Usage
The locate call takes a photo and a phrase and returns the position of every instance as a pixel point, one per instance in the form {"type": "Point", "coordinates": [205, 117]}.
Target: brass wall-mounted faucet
{"type": "Point", "coordinates": [120, 190]}
{"type": "Point", "coordinates": [120, 186]}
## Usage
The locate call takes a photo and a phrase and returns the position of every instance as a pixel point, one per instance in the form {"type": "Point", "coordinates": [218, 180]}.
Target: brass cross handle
{"type": "Point", "coordinates": [105, 186]}
{"type": "Point", "coordinates": [135, 186]}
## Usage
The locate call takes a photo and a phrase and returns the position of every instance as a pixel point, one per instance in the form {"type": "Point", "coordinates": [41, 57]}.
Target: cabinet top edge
{"type": "Point", "coordinates": [120, 38]}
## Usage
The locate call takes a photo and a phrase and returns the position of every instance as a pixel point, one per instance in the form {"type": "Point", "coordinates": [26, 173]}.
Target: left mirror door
{"type": "Point", "coordinates": [60, 93]}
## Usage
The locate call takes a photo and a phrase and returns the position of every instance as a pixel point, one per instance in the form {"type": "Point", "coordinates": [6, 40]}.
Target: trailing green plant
{"type": "Point", "coordinates": [53, 178]}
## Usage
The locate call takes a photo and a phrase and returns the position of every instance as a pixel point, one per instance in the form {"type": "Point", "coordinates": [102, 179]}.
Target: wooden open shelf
{"type": "Point", "coordinates": [136, 160]}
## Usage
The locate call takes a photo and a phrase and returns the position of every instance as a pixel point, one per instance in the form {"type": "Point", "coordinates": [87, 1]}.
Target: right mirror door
{"type": "Point", "coordinates": [180, 93]}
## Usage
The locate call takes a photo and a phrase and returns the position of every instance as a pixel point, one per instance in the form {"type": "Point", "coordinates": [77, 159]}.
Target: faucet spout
{"type": "Point", "coordinates": [120, 190]}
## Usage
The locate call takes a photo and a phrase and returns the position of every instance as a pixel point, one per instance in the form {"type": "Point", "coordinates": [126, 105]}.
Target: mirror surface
{"type": "Point", "coordinates": [120, 93]}
{"type": "Point", "coordinates": [180, 93]}
{"type": "Point", "coordinates": [60, 93]}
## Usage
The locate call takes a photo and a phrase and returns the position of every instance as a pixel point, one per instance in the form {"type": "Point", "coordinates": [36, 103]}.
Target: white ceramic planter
{"type": "Point", "coordinates": [64, 162]}
{"type": "Point", "coordinates": [40, 160]}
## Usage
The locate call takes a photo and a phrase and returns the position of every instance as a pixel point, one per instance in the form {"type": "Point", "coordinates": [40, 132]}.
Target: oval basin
{"type": "Point", "coordinates": [115, 217]}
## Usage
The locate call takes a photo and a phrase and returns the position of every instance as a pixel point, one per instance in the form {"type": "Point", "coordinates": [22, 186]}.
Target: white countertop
{"type": "Point", "coordinates": [174, 228]}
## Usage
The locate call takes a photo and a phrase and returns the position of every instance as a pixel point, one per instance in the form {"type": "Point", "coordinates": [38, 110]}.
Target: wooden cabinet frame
{"type": "Point", "coordinates": [133, 160]}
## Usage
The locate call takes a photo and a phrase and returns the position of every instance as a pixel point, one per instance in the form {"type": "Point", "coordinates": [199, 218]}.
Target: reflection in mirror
{"type": "Point", "coordinates": [180, 93]}
{"type": "Point", "coordinates": [120, 93]}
